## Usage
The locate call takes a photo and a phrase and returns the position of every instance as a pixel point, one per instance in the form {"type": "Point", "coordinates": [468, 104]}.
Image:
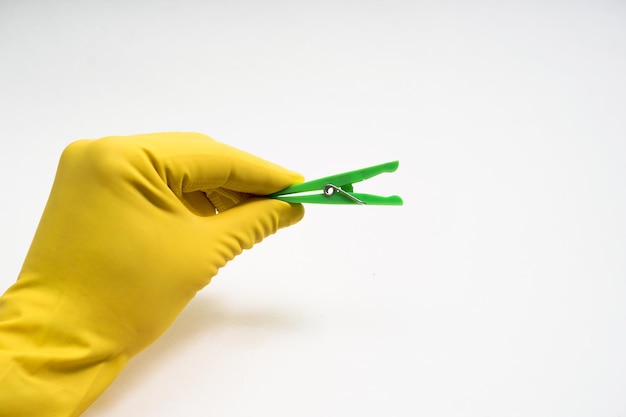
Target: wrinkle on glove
{"type": "Point", "coordinates": [131, 223]}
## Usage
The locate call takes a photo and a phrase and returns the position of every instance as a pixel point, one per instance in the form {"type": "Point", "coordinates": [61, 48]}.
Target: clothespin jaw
{"type": "Point", "coordinates": [339, 189]}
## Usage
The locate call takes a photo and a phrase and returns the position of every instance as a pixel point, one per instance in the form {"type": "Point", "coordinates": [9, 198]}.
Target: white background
{"type": "Point", "coordinates": [497, 289]}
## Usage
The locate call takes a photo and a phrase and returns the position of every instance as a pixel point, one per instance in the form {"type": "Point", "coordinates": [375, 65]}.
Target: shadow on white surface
{"type": "Point", "coordinates": [204, 318]}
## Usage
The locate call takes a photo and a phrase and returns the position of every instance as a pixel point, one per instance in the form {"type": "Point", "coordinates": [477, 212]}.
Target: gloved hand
{"type": "Point", "coordinates": [128, 236]}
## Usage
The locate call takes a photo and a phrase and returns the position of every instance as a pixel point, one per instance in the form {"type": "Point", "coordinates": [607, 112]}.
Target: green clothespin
{"type": "Point", "coordinates": [338, 189]}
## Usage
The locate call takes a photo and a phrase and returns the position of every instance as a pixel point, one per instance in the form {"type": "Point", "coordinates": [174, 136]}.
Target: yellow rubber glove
{"type": "Point", "coordinates": [128, 236]}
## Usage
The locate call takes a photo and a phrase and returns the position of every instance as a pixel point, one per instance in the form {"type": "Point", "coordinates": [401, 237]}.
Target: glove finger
{"type": "Point", "coordinates": [249, 223]}
{"type": "Point", "coordinates": [223, 199]}
{"type": "Point", "coordinates": [195, 162]}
